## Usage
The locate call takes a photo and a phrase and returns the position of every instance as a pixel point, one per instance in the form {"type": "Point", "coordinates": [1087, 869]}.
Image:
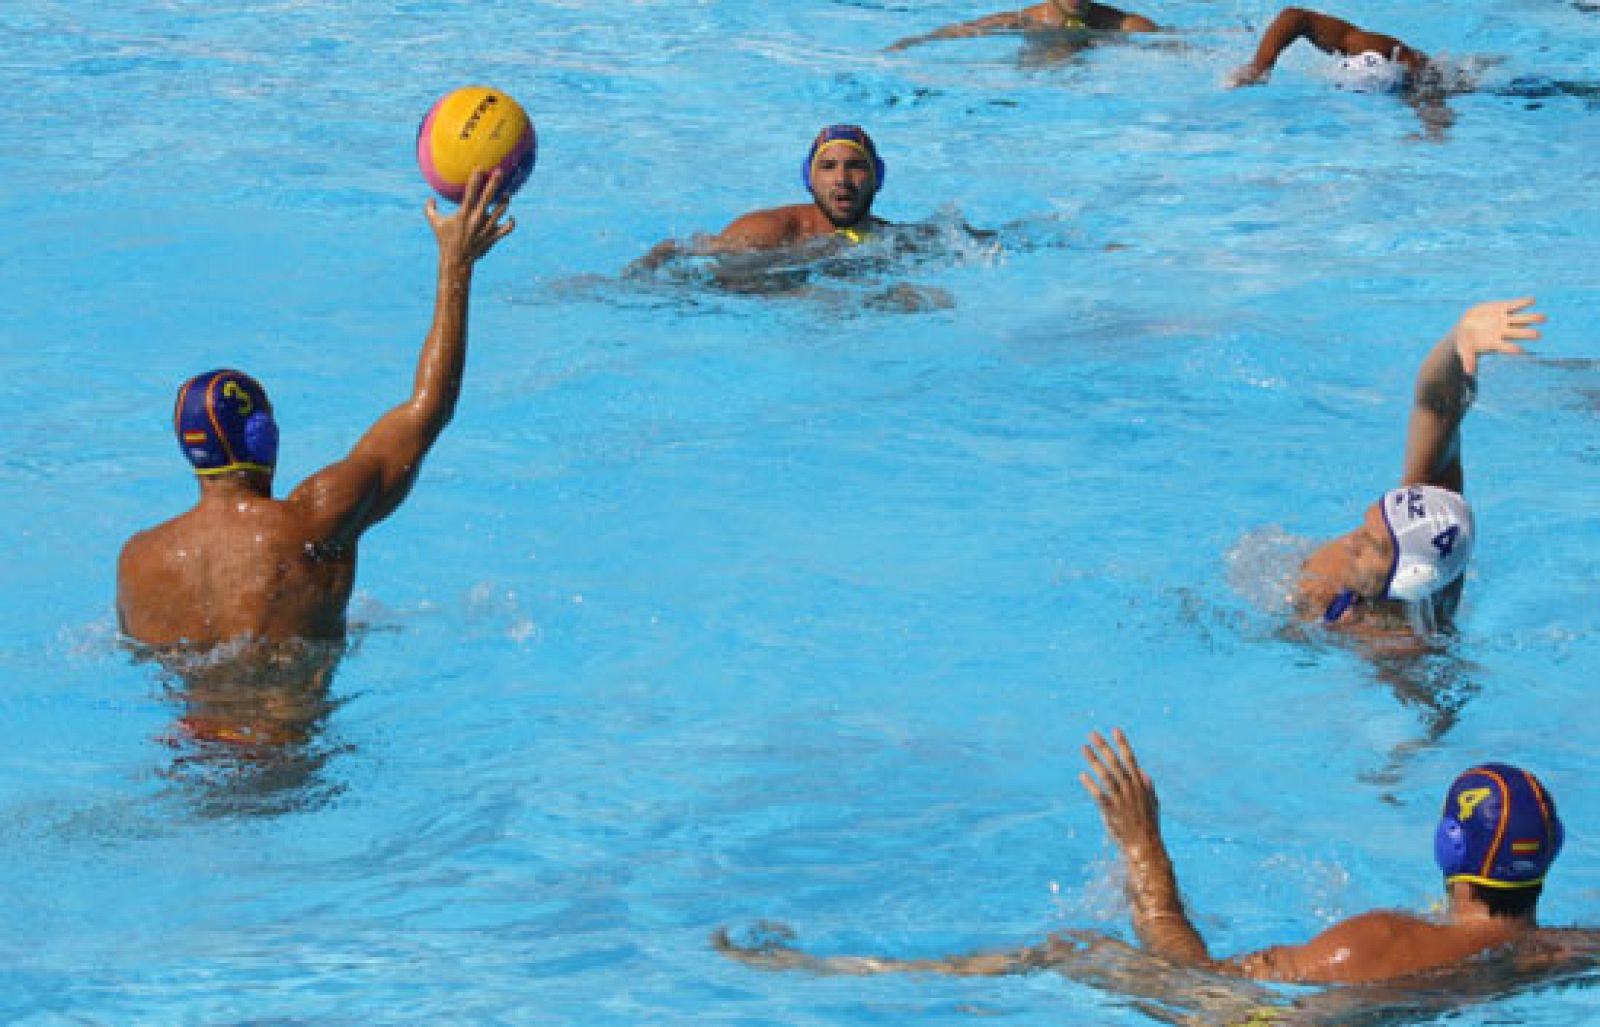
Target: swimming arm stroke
{"type": "Point", "coordinates": [1325, 32]}
{"type": "Point", "coordinates": [1447, 384]}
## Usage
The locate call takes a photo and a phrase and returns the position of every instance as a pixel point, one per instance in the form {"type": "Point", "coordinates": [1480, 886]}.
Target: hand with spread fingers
{"type": "Point", "coordinates": [476, 226]}
{"type": "Point", "coordinates": [1447, 384]}
{"type": "Point", "coordinates": [1127, 801]}
{"type": "Point", "coordinates": [1123, 791]}
{"type": "Point", "coordinates": [1495, 327]}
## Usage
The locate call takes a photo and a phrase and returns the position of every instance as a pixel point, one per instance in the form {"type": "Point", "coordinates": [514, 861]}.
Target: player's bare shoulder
{"type": "Point", "coordinates": [775, 226]}
{"type": "Point", "coordinates": [151, 551]}
{"type": "Point", "coordinates": [149, 572]}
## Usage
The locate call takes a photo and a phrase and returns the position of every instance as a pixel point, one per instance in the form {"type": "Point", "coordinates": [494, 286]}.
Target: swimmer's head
{"type": "Point", "coordinates": [224, 423]}
{"type": "Point", "coordinates": [1371, 72]}
{"type": "Point", "coordinates": [1432, 533]}
{"type": "Point", "coordinates": [851, 137]}
{"type": "Point", "coordinates": [1073, 13]}
{"type": "Point", "coordinates": [1499, 829]}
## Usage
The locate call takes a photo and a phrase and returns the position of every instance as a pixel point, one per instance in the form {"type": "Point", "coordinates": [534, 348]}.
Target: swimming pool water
{"type": "Point", "coordinates": [713, 607]}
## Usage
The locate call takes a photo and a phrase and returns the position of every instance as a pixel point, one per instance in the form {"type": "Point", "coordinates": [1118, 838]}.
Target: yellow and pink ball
{"type": "Point", "coordinates": [475, 128]}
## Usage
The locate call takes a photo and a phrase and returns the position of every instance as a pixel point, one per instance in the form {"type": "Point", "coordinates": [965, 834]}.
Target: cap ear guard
{"type": "Point", "coordinates": [1450, 847]}
{"type": "Point", "coordinates": [261, 438]}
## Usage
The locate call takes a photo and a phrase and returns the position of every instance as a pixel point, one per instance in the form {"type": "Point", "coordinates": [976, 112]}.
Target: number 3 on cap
{"type": "Point", "coordinates": [235, 391]}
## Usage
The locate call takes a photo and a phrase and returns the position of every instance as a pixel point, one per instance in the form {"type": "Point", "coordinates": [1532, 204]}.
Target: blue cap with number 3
{"type": "Point", "coordinates": [1431, 528]}
{"type": "Point", "coordinates": [224, 423]}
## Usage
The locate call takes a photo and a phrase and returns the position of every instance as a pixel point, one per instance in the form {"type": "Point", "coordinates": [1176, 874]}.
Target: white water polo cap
{"type": "Point", "coordinates": [1432, 531]}
{"type": "Point", "coordinates": [1370, 72]}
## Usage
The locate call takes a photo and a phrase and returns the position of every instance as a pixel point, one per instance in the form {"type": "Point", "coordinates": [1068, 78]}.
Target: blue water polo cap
{"type": "Point", "coordinates": [846, 135]}
{"type": "Point", "coordinates": [1499, 829]}
{"type": "Point", "coordinates": [224, 423]}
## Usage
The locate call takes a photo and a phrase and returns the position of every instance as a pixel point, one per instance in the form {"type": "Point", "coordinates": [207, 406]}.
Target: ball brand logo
{"type": "Point", "coordinates": [484, 106]}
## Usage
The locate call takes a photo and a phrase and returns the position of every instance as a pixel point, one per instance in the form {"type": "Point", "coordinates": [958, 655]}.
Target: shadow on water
{"type": "Point", "coordinates": [1536, 90]}
{"type": "Point", "coordinates": [1432, 679]}
{"type": "Point", "coordinates": [250, 736]}
{"type": "Point", "coordinates": [1057, 47]}
{"type": "Point", "coordinates": [1424, 673]}
{"type": "Point", "coordinates": [1586, 391]}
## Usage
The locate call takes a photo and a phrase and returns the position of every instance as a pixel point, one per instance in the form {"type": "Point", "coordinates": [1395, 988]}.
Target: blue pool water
{"type": "Point", "coordinates": [714, 608]}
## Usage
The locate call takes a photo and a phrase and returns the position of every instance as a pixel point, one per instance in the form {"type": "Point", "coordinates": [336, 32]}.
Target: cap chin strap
{"type": "Point", "coordinates": [1489, 882]}
{"type": "Point", "coordinates": [211, 472]}
{"type": "Point", "coordinates": [1342, 603]}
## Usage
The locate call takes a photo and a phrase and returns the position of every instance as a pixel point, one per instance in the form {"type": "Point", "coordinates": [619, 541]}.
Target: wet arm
{"type": "Point", "coordinates": [1159, 919]}
{"type": "Point", "coordinates": [379, 472]}
{"type": "Point", "coordinates": [659, 254]}
{"type": "Point", "coordinates": [1444, 392]}
{"type": "Point", "coordinates": [1127, 801]}
{"type": "Point", "coordinates": [1447, 384]}
{"type": "Point", "coordinates": [1325, 32]}
{"type": "Point", "coordinates": [772, 952]}
{"type": "Point", "coordinates": [1315, 961]}
{"type": "Point", "coordinates": [1008, 21]}
{"type": "Point", "coordinates": [759, 230]}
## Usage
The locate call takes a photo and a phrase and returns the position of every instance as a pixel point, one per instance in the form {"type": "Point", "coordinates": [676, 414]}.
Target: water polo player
{"type": "Point", "coordinates": [242, 565]}
{"type": "Point", "coordinates": [1402, 568]}
{"type": "Point", "coordinates": [1494, 843]}
{"type": "Point", "coordinates": [1060, 16]}
{"type": "Point", "coordinates": [843, 173]}
{"type": "Point", "coordinates": [1370, 62]}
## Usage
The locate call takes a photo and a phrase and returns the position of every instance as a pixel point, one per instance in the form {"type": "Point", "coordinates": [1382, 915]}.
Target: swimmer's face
{"type": "Point", "coordinates": [841, 183]}
{"type": "Point", "coordinates": [1370, 554]}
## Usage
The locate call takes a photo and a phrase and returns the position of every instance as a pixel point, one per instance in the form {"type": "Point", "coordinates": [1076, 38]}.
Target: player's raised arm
{"type": "Point", "coordinates": [375, 478]}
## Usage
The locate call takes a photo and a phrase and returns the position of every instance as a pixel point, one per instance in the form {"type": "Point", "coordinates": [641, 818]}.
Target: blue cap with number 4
{"type": "Point", "coordinates": [1432, 532]}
